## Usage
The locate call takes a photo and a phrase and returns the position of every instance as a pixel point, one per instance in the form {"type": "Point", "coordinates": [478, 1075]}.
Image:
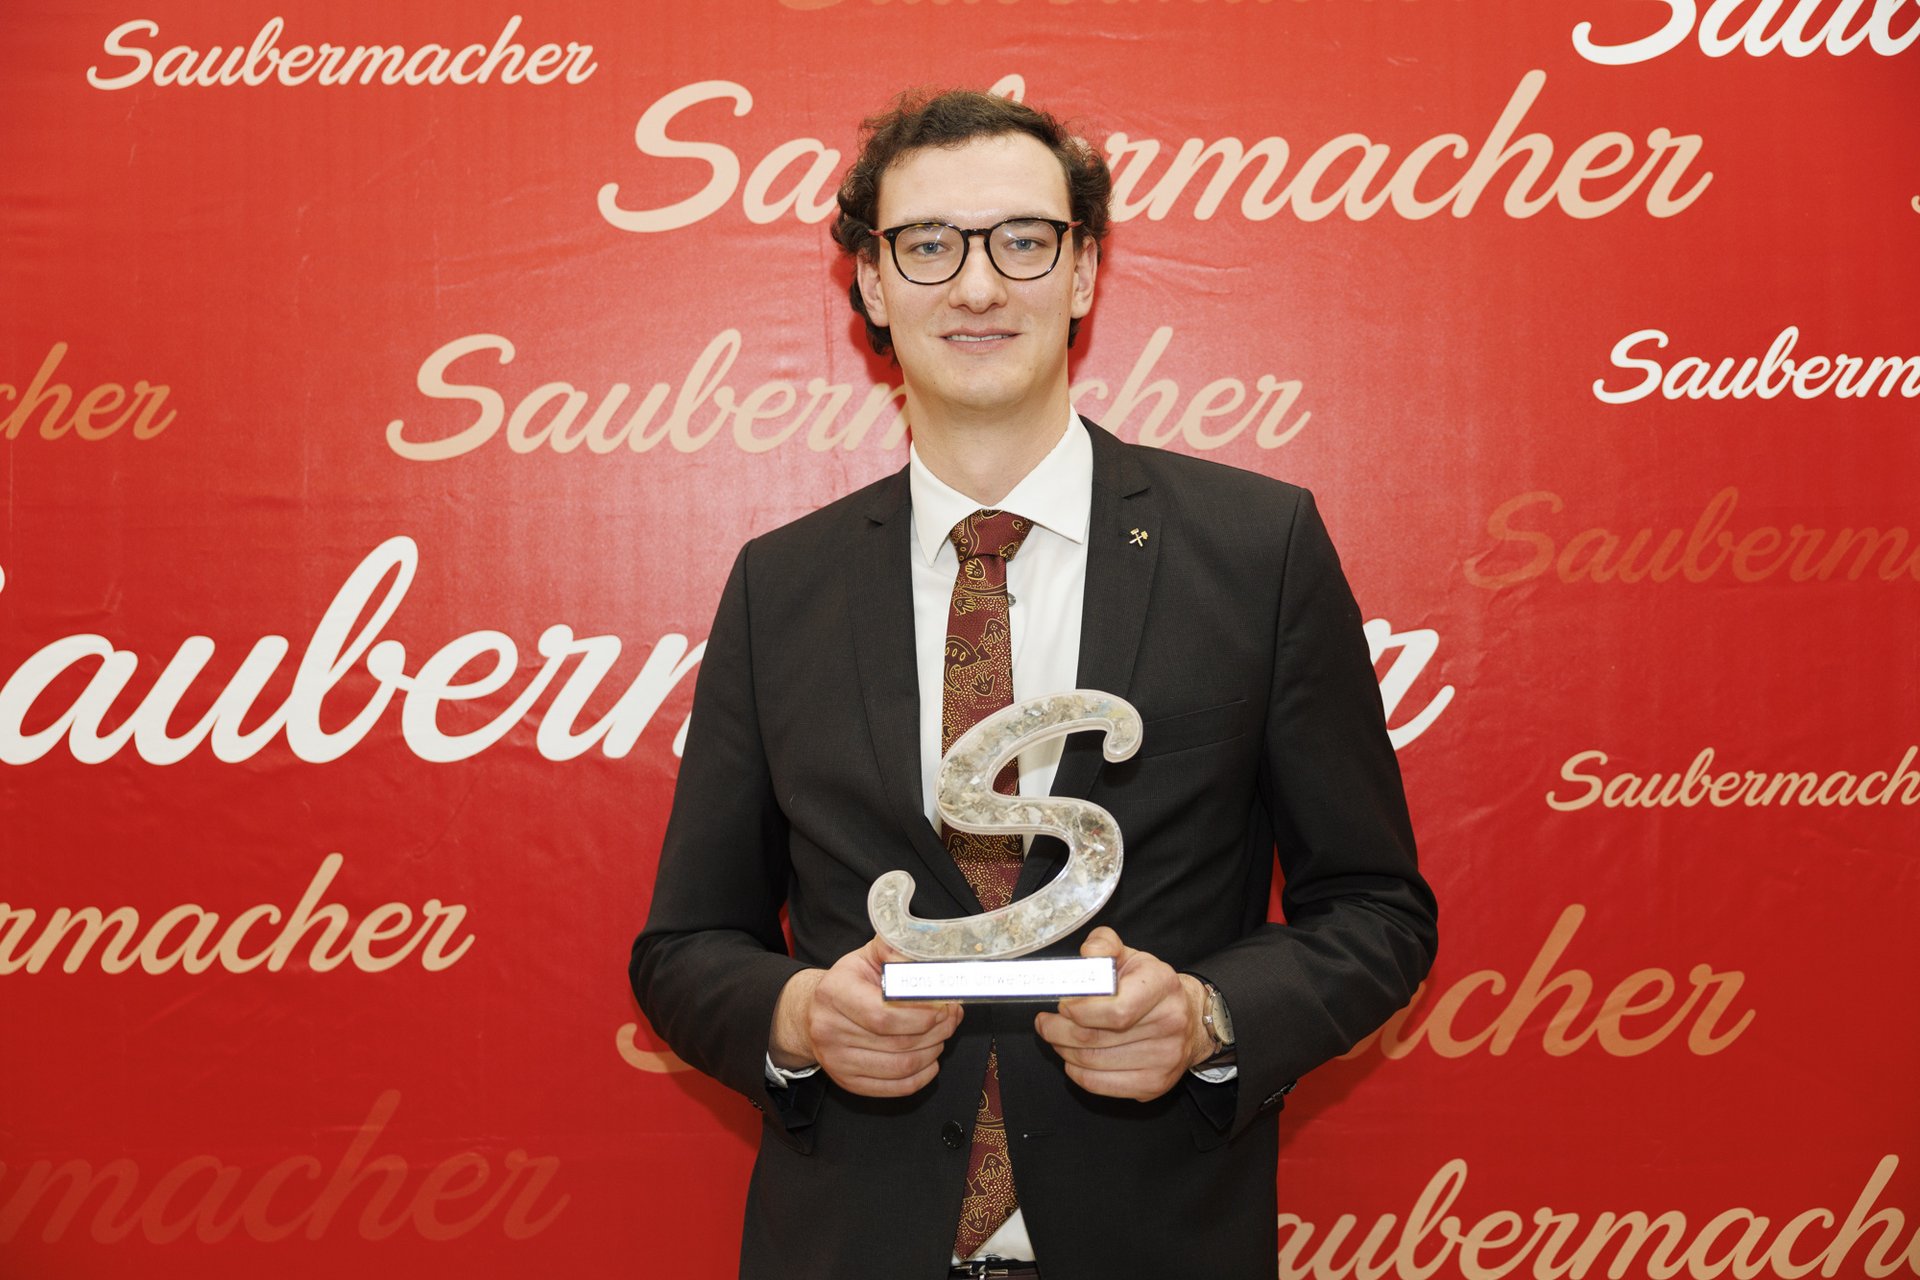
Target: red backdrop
{"type": "Point", "coordinates": [378, 427]}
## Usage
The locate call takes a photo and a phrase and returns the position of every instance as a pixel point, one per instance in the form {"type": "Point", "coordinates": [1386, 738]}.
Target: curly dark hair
{"type": "Point", "coordinates": [921, 118]}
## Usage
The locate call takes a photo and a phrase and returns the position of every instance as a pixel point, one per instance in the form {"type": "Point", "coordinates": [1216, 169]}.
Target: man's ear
{"type": "Point", "coordinates": [1086, 266]}
{"type": "Point", "coordinates": [866, 271]}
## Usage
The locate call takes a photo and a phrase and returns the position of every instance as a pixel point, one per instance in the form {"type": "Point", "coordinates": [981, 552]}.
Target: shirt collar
{"type": "Point", "coordinates": [1056, 495]}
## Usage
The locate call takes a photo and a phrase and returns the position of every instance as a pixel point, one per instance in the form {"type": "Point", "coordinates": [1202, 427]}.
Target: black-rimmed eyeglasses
{"type": "Point", "coordinates": [934, 252]}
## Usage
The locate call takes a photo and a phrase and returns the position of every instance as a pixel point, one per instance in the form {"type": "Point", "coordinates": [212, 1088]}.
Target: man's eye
{"type": "Point", "coordinates": [1022, 244]}
{"type": "Point", "coordinates": [926, 249]}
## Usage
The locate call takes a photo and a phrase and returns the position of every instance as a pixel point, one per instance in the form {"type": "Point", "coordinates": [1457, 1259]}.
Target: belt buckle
{"type": "Point", "coordinates": [987, 1268]}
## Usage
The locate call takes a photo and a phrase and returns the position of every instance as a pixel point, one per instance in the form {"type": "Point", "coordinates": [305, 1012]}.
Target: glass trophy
{"type": "Point", "coordinates": [979, 958]}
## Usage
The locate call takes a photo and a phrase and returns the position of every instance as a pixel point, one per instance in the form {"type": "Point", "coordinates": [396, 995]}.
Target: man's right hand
{"type": "Point", "coordinates": [837, 1018]}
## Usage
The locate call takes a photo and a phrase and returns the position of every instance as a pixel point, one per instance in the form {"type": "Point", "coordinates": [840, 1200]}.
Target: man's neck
{"type": "Point", "coordinates": [986, 458]}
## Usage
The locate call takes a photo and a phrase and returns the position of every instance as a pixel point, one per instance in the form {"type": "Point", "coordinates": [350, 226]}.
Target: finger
{"type": "Point", "coordinates": [1061, 1031]}
{"type": "Point", "coordinates": [1066, 1033]}
{"type": "Point", "coordinates": [1146, 988]}
{"type": "Point", "coordinates": [1140, 1086]}
{"type": "Point", "coordinates": [886, 1086]}
{"type": "Point", "coordinates": [932, 1040]}
{"type": "Point", "coordinates": [877, 1020]}
{"type": "Point", "coordinates": [935, 1020]}
{"type": "Point", "coordinates": [876, 1064]}
{"type": "Point", "coordinates": [846, 991]}
{"type": "Point", "coordinates": [1143, 981]}
{"type": "Point", "coordinates": [1157, 1055]}
{"type": "Point", "coordinates": [1155, 1039]}
{"type": "Point", "coordinates": [1132, 1004]}
{"type": "Point", "coordinates": [1101, 1013]}
{"type": "Point", "coordinates": [1056, 1029]}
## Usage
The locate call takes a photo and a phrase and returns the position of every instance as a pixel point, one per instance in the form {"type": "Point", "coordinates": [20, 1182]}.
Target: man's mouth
{"type": "Point", "coordinates": [977, 337]}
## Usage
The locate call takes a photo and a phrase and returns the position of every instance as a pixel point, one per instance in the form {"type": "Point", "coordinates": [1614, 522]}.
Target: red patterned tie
{"type": "Point", "coordinates": [977, 680]}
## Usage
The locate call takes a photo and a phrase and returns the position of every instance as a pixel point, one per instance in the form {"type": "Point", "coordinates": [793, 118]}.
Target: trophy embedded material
{"type": "Point", "coordinates": [976, 957]}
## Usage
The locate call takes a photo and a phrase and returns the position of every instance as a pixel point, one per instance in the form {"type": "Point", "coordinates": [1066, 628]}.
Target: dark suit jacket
{"type": "Point", "coordinates": [1232, 629]}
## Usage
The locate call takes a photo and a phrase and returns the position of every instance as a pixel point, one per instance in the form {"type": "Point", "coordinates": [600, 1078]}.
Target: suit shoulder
{"type": "Point", "coordinates": [1127, 462]}
{"type": "Point", "coordinates": [1218, 495]}
{"type": "Point", "coordinates": [1185, 472]}
{"type": "Point", "coordinates": [825, 526]}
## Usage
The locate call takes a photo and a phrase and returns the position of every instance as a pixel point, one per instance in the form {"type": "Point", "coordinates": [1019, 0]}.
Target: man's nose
{"type": "Point", "coordinates": [978, 286]}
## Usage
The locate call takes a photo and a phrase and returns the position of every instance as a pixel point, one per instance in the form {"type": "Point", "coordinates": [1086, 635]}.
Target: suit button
{"type": "Point", "coordinates": [951, 1133]}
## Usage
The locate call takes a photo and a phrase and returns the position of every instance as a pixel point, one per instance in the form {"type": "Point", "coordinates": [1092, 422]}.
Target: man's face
{"type": "Point", "coordinates": [980, 343]}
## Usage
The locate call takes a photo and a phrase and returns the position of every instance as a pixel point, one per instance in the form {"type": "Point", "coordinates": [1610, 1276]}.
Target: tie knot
{"type": "Point", "coordinates": [990, 533]}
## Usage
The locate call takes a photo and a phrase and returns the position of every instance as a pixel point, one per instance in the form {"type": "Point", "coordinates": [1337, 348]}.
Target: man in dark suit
{"type": "Point", "coordinates": [1120, 1136]}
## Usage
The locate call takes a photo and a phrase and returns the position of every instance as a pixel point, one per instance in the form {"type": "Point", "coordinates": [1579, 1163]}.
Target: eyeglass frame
{"type": "Point", "coordinates": [892, 236]}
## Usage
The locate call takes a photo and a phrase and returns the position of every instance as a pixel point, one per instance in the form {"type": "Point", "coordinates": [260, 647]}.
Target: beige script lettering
{"type": "Point", "coordinates": [1698, 554]}
{"type": "Point", "coordinates": [190, 937]}
{"type": "Point", "coordinates": [1350, 174]}
{"type": "Point", "coordinates": [211, 1199]}
{"type": "Point", "coordinates": [1435, 1241]}
{"type": "Point", "coordinates": [1699, 785]}
{"type": "Point", "coordinates": [706, 409]}
{"type": "Point", "coordinates": [99, 412]}
{"type": "Point", "coordinates": [1617, 1024]}
{"type": "Point", "coordinates": [1344, 175]}
{"type": "Point", "coordinates": [941, 4]}
{"type": "Point", "coordinates": [652, 1061]}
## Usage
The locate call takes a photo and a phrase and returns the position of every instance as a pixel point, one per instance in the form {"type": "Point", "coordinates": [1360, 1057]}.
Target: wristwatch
{"type": "Point", "coordinates": [1218, 1022]}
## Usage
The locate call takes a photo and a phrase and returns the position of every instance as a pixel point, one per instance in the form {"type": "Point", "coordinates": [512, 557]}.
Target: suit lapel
{"type": "Point", "coordinates": [1124, 537]}
{"type": "Point", "coordinates": [880, 603]}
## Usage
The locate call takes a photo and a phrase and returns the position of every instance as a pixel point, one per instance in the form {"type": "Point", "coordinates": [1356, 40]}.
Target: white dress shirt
{"type": "Point", "coordinates": [1046, 583]}
{"type": "Point", "coordinates": [1046, 580]}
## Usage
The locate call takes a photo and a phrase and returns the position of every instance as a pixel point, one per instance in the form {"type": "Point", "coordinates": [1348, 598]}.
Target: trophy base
{"type": "Point", "coordinates": [1038, 981]}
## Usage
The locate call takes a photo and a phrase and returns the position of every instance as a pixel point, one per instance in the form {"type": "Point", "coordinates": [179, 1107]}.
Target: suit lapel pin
{"type": "Point", "coordinates": [1138, 538]}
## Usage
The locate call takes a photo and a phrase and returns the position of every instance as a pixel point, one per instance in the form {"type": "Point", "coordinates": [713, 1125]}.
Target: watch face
{"type": "Point", "coordinates": [1222, 1022]}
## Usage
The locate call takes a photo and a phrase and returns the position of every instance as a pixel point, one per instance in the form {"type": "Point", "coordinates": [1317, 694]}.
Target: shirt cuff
{"type": "Point", "coordinates": [1212, 1075]}
{"type": "Point", "coordinates": [780, 1078]}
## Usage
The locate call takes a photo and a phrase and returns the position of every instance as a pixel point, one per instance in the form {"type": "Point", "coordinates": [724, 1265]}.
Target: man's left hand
{"type": "Point", "coordinates": [1138, 1042]}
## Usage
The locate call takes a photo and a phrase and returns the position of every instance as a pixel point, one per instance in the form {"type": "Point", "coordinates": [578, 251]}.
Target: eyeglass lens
{"type": "Point", "coordinates": [931, 253]}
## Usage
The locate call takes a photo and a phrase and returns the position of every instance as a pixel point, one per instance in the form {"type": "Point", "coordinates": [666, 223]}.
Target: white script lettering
{"type": "Point", "coordinates": [506, 62]}
{"type": "Point", "coordinates": [1416, 649]}
{"type": "Point", "coordinates": [346, 638]}
{"type": "Point", "coordinates": [1767, 376]}
{"type": "Point", "coordinates": [346, 642]}
{"type": "Point", "coordinates": [1761, 30]}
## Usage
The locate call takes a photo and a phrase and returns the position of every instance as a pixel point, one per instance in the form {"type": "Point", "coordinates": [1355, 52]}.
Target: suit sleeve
{"type": "Point", "coordinates": [1360, 931]}
{"type": "Point", "coordinates": [710, 964]}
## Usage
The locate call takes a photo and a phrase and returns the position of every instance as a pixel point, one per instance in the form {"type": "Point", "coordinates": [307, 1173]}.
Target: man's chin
{"type": "Point", "coordinates": [975, 396]}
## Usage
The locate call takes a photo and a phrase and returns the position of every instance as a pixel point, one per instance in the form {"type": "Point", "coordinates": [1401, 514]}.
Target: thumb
{"type": "Point", "coordinates": [877, 952]}
{"type": "Point", "coordinates": [1105, 942]}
